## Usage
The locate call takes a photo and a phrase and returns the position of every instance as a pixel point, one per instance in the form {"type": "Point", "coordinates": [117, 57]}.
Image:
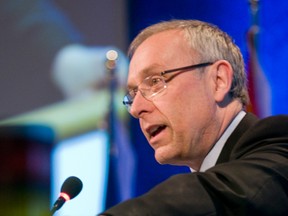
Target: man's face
{"type": "Point", "coordinates": [179, 121]}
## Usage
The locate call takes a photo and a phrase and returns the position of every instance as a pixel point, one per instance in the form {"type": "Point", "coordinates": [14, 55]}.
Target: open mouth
{"type": "Point", "coordinates": [155, 131]}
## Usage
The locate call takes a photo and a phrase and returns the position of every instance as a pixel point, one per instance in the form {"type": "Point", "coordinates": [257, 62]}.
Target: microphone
{"type": "Point", "coordinates": [70, 189]}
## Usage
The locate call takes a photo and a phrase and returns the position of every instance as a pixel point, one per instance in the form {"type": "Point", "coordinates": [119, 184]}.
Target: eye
{"type": "Point", "coordinates": [133, 92]}
{"type": "Point", "coordinates": [155, 80]}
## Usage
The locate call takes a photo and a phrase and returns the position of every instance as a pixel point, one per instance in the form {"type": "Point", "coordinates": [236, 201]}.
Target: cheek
{"type": "Point", "coordinates": [177, 109]}
{"type": "Point", "coordinates": [186, 106]}
{"type": "Point", "coordinates": [189, 100]}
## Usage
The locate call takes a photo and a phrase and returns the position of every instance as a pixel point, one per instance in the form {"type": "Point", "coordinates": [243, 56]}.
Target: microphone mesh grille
{"type": "Point", "coordinates": [72, 186]}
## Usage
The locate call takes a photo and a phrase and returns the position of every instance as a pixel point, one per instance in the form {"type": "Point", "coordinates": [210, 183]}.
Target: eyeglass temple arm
{"type": "Point", "coordinates": [187, 67]}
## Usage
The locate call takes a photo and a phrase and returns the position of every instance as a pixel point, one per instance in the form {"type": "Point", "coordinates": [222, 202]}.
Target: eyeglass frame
{"type": "Point", "coordinates": [128, 103]}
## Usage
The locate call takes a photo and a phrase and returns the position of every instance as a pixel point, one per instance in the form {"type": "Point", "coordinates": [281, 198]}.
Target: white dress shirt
{"type": "Point", "coordinates": [211, 158]}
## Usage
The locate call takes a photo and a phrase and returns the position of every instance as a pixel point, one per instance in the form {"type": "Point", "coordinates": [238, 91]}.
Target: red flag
{"type": "Point", "coordinates": [258, 85]}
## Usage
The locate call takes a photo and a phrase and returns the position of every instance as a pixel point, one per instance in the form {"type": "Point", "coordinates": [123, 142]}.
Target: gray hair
{"type": "Point", "coordinates": [210, 43]}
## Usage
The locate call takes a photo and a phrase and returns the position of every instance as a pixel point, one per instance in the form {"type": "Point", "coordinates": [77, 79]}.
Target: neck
{"type": "Point", "coordinates": [223, 117]}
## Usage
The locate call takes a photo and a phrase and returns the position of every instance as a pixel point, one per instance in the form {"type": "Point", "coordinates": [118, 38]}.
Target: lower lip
{"type": "Point", "coordinates": [156, 139]}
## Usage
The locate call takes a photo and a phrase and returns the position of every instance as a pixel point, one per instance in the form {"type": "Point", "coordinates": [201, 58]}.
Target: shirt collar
{"type": "Point", "coordinates": [211, 158]}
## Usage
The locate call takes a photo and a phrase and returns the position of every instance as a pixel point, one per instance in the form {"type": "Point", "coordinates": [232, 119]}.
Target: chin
{"type": "Point", "coordinates": [163, 158]}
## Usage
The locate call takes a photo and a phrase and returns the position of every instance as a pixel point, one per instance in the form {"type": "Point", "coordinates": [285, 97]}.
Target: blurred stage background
{"type": "Point", "coordinates": [44, 120]}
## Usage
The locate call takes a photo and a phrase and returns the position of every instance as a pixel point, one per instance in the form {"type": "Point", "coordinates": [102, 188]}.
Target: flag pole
{"type": "Point", "coordinates": [112, 189]}
{"type": "Point", "coordinates": [254, 27]}
{"type": "Point", "coordinates": [111, 58]}
{"type": "Point", "coordinates": [121, 174]}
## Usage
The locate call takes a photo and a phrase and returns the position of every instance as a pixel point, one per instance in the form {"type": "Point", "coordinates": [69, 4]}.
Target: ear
{"type": "Point", "coordinates": [223, 80]}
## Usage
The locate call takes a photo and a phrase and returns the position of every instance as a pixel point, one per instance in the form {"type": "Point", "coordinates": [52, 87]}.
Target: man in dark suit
{"type": "Point", "coordinates": [187, 87]}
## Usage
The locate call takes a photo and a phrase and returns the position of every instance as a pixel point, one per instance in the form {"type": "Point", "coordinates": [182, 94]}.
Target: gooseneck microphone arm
{"type": "Point", "coordinates": [58, 204]}
{"type": "Point", "coordinates": [70, 189]}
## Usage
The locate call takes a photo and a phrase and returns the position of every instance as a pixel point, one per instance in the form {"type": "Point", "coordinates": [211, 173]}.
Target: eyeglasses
{"type": "Point", "coordinates": [155, 84]}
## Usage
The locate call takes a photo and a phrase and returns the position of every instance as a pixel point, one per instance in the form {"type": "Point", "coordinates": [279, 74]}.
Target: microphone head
{"type": "Point", "coordinates": [72, 186]}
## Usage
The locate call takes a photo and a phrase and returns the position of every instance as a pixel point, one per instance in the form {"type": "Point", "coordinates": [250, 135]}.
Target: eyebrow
{"type": "Point", "coordinates": [152, 70]}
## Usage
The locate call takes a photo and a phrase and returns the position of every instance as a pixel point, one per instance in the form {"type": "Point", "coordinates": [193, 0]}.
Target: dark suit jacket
{"type": "Point", "coordinates": [250, 178]}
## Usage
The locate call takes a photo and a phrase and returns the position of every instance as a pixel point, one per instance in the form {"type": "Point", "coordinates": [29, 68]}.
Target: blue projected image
{"type": "Point", "coordinates": [86, 157]}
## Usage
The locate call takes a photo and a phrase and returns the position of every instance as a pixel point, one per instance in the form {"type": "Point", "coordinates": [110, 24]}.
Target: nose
{"type": "Point", "coordinates": [140, 106]}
